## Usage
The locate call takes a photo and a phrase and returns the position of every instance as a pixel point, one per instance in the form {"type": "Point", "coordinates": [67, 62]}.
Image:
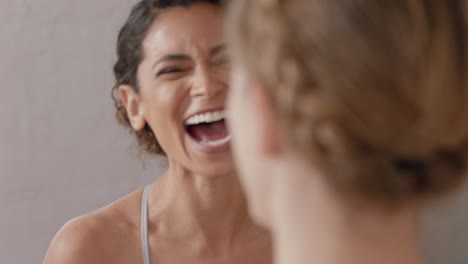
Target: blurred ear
{"type": "Point", "coordinates": [132, 102]}
{"type": "Point", "coordinates": [271, 141]}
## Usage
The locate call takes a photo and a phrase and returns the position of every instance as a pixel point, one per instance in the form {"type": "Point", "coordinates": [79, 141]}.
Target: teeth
{"type": "Point", "coordinates": [205, 118]}
{"type": "Point", "coordinates": [217, 142]}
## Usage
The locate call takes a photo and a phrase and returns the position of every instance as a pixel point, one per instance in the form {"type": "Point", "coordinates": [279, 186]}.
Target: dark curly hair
{"type": "Point", "coordinates": [130, 55]}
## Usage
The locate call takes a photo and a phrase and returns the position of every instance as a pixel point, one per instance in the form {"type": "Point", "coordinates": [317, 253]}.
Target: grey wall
{"type": "Point", "coordinates": [61, 153]}
{"type": "Point", "coordinates": [446, 230]}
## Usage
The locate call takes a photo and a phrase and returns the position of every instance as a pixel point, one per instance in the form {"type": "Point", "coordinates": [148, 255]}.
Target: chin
{"type": "Point", "coordinates": [257, 191]}
{"type": "Point", "coordinates": [259, 216]}
{"type": "Point", "coordinates": [213, 164]}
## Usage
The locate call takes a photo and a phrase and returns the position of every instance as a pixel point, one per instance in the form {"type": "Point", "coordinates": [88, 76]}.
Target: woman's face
{"type": "Point", "coordinates": [253, 131]}
{"type": "Point", "coordinates": [183, 82]}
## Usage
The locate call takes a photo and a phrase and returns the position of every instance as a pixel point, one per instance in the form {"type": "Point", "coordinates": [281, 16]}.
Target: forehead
{"type": "Point", "coordinates": [196, 28]}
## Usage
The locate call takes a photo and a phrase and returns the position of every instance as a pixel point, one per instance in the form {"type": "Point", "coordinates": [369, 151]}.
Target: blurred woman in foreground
{"type": "Point", "coordinates": [348, 117]}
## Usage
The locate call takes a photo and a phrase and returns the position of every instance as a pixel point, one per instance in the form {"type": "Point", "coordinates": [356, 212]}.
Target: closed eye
{"type": "Point", "coordinates": [170, 70]}
{"type": "Point", "coordinates": [223, 61]}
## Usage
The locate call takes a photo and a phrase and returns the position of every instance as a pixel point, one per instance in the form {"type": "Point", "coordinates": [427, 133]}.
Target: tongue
{"type": "Point", "coordinates": [208, 132]}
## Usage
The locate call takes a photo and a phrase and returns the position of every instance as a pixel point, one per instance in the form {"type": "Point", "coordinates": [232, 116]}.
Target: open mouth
{"type": "Point", "coordinates": [208, 128]}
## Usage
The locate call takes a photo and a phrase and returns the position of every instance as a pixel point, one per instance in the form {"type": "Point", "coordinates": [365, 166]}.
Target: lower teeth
{"type": "Point", "coordinates": [216, 142]}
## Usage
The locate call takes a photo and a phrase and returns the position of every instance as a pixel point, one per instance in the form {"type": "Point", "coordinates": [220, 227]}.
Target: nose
{"type": "Point", "coordinates": [206, 83]}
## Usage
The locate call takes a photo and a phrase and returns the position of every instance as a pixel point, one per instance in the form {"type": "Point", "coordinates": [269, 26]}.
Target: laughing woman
{"type": "Point", "coordinates": [171, 84]}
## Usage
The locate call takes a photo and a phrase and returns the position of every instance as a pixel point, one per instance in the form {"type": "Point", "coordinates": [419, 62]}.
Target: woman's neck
{"type": "Point", "coordinates": [211, 212]}
{"type": "Point", "coordinates": [311, 226]}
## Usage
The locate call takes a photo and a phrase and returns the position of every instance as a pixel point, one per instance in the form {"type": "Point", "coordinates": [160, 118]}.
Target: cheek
{"type": "Point", "coordinates": [241, 129]}
{"type": "Point", "coordinates": [162, 112]}
{"type": "Point", "coordinates": [236, 120]}
{"type": "Point", "coordinates": [239, 121]}
{"type": "Point", "coordinates": [159, 108]}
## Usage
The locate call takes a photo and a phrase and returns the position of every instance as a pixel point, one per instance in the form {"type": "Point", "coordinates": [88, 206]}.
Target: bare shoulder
{"type": "Point", "coordinates": [107, 235]}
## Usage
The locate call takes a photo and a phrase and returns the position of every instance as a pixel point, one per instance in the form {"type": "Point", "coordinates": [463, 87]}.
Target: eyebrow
{"type": "Point", "coordinates": [173, 57]}
{"type": "Point", "coordinates": [182, 57]}
{"type": "Point", "coordinates": [218, 49]}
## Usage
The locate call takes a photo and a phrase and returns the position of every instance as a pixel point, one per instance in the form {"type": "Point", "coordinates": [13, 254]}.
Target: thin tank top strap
{"type": "Point", "coordinates": [144, 226]}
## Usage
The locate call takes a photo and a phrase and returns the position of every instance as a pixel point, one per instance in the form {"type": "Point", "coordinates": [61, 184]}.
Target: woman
{"type": "Point", "coordinates": [172, 79]}
{"type": "Point", "coordinates": [347, 118]}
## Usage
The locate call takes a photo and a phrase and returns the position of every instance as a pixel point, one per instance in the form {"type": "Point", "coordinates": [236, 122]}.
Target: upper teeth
{"type": "Point", "coordinates": [205, 118]}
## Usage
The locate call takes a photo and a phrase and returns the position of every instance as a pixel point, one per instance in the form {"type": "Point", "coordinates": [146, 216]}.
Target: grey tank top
{"type": "Point", "coordinates": [144, 226]}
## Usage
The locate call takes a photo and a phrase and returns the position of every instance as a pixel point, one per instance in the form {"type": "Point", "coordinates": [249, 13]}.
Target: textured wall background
{"type": "Point", "coordinates": [61, 153]}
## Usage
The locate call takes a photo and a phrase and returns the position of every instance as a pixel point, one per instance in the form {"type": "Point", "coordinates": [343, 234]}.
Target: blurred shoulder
{"type": "Point", "coordinates": [107, 235]}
